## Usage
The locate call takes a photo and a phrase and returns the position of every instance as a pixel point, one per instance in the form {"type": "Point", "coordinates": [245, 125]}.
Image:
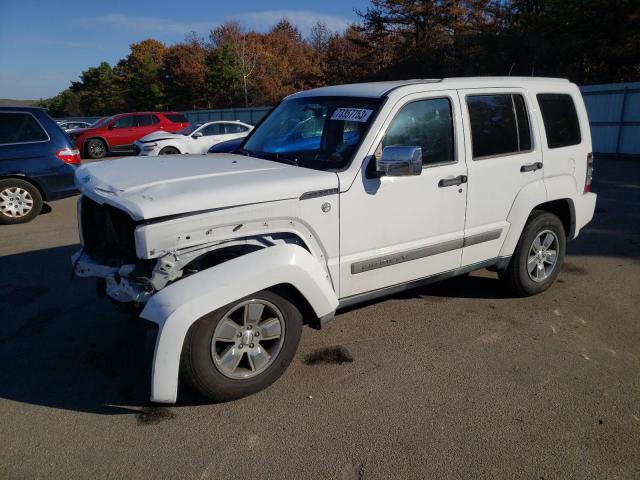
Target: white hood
{"type": "Point", "coordinates": [151, 187]}
{"type": "Point", "coordinates": [161, 135]}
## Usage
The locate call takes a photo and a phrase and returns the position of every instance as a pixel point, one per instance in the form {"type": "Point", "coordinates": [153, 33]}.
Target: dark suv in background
{"type": "Point", "coordinates": [37, 163]}
{"type": "Point", "coordinates": [117, 133]}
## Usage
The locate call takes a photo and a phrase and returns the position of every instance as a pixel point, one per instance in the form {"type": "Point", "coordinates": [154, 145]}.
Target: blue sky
{"type": "Point", "coordinates": [46, 44]}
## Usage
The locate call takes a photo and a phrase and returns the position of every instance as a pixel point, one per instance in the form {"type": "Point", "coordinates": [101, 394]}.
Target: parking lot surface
{"type": "Point", "coordinates": [454, 380]}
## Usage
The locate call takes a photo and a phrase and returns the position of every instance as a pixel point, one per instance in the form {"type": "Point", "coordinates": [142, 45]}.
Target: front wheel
{"type": "Point", "coordinates": [538, 257]}
{"type": "Point", "coordinates": [241, 348]}
{"type": "Point", "coordinates": [169, 151]}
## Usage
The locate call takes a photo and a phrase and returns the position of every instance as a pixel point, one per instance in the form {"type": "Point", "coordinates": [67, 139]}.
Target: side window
{"type": "Point", "coordinates": [560, 119]}
{"type": "Point", "coordinates": [20, 128]}
{"type": "Point", "coordinates": [499, 125]}
{"type": "Point", "coordinates": [125, 122]}
{"type": "Point", "coordinates": [146, 120]}
{"type": "Point", "coordinates": [176, 117]}
{"type": "Point", "coordinates": [427, 124]}
{"type": "Point", "coordinates": [233, 128]}
{"type": "Point", "coordinates": [213, 129]}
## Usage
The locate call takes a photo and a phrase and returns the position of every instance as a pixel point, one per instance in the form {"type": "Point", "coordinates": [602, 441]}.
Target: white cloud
{"type": "Point", "coordinates": [304, 20]}
{"type": "Point", "coordinates": [260, 21]}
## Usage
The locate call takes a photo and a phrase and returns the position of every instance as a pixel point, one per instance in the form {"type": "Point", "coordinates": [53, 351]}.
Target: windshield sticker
{"type": "Point", "coordinates": [352, 114]}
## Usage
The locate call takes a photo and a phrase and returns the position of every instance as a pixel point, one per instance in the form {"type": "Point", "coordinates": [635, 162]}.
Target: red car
{"type": "Point", "coordinates": [117, 134]}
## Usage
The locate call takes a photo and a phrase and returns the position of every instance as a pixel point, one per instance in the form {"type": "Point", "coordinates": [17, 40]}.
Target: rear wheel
{"type": "Point", "coordinates": [20, 201]}
{"type": "Point", "coordinates": [243, 347]}
{"type": "Point", "coordinates": [538, 257]}
{"type": "Point", "coordinates": [169, 151]}
{"type": "Point", "coordinates": [96, 148]}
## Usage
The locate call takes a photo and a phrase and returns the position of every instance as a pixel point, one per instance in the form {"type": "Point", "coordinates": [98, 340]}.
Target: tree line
{"type": "Point", "coordinates": [587, 41]}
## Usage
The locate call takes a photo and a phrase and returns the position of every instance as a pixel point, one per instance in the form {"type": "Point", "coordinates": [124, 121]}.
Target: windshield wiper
{"type": "Point", "coordinates": [278, 158]}
{"type": "Point", "coordinates": [245, 152]}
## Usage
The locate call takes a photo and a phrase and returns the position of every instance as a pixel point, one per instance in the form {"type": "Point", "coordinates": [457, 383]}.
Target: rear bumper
{"type": "Point", "coordinates": [585, 206]}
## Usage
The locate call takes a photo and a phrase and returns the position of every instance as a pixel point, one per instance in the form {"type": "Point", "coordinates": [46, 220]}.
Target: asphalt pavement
{"type": "Point", "coordinates": [454, 380]}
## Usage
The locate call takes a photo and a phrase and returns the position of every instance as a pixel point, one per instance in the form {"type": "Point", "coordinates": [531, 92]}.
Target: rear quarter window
{"type": "Point", "coordinates": [176, 117]}
{"type": "Point", "coordinates": [560, 119]}
{"type": "Point", "coordinates": [19, 127]}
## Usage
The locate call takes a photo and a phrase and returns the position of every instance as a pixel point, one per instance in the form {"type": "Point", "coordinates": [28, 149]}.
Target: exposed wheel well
{"type": "Point", "coordinates": [292, 294]}
{"type": "Point", "coordinates": [28, 180]}
{"type": "Point", "coordinates": [564, 210]}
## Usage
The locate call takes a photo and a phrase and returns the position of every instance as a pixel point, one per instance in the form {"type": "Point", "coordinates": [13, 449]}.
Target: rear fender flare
{"type": "Point", "coordinates": [528, 197]}
{"type": "Point", "coordinates": [175, 308]}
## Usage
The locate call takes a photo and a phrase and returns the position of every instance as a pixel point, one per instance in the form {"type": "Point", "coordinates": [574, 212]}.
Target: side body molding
{"type": "Point", "coordinates": [176, 307]}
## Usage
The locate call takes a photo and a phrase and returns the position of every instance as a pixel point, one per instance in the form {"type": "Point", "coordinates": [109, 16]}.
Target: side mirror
{"type": "Point", "coordinates": [112, 126]}
{"type": "Point", "coordinates": [197, 135]}
{"type": "Point", "coordinates": [400, 161]}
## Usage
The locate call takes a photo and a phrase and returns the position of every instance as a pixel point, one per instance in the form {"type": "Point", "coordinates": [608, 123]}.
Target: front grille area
{"type": "Point", "coordinates": [107, 233]}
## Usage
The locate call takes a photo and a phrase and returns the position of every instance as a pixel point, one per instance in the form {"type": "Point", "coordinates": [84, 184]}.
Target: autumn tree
{"type": "Point", "coordinates": [184, 74]}
{"type": "Point", "coordinates": [285, 65]}
{"type": "Point", "coordinates": [140, 75]}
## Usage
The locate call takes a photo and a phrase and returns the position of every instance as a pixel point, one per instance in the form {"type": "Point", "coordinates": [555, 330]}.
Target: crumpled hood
{"type": "Point", "coordinates": [161, 135]}
{"type": "Point", "coordinates": [151, 187]}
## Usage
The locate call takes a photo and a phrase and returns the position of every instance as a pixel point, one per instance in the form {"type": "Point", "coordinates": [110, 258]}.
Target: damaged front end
{"type": "Point", "coordinates": [109, 253]}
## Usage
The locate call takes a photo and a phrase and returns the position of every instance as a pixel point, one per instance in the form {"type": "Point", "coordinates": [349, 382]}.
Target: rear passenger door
{"type": "Point", "coordinates": [503, 156]}
{"type": "Point", "coordinates": [146, 124]}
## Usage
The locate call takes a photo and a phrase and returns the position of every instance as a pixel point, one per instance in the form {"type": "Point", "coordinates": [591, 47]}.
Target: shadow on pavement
{"type": "Point", "coordinates": [62, 345]}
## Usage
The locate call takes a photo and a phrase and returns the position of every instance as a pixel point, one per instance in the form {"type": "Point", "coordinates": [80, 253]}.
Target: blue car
{"type": "Point", "coordinates": [304, 136]}
{"type": "Point", "coordinates": [226, 147]}
{"type": "Point", "coordinates": [37, 163]}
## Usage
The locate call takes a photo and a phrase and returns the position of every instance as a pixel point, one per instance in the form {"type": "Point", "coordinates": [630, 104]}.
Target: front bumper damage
{"type": "Point", "coordinates": [119, 285]}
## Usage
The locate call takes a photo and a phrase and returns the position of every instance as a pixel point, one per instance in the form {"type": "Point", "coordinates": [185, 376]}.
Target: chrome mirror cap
{"type": "Point", "coordinates": [400, 161]}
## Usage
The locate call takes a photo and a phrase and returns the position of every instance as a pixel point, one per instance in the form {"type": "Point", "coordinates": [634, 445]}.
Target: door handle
{"type": "Point", "coordinates": [450, 182]}
{"type": "Point", "coordinates": [532, 167]}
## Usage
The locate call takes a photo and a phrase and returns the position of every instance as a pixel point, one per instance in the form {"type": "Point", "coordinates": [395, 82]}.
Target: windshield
{"type": "Point", "coordinates": [101, 122]}
{"type": "Point", "coordinates": [188, 130]}
{"type": "Point", "coordinates": [315, 132]}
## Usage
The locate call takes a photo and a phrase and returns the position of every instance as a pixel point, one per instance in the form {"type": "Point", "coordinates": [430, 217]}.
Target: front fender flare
{"type": "Point", "coordinates": [175, 308]}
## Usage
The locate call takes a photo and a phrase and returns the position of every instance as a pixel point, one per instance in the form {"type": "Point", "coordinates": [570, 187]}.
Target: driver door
{"type": "Point", "coordinates": [394, 230]}
{"type": "Point", "coordinates": [211, 135]}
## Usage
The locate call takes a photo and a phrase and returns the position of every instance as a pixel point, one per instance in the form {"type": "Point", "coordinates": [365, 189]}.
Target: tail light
{"type": "Point", "coordinates": [69, 155]}
{"type": "Point", "coordinates": [589, 177]}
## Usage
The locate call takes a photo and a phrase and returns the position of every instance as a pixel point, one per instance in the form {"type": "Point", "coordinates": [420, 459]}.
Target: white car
{"type": "Point", "coordinates": [393, 185]}
{"type": "Point", "coordinates": [68, 126]}
{"type": "Point", "coordinates": [197, 138]}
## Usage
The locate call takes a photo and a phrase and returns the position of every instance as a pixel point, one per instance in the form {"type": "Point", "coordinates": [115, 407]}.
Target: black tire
{"type": "Point", "coordinates": [95, 148]}
{"type": "Point", "coordinates": [16, 193]}
{"type": "Point", "coordinates": [169, 151]}
{"type": "Point", "coordinates": [516, 276]}
{"type": "Point", "coordinates": [200, 371]}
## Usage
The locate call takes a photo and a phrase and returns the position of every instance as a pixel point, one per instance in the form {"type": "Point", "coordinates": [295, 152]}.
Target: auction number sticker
{"type": "Point", "coordinates": [352, 114]}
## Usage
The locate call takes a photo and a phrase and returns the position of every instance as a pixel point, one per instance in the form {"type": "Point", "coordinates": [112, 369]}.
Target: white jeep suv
{"type": "Point", "coordinates": [389, 186]}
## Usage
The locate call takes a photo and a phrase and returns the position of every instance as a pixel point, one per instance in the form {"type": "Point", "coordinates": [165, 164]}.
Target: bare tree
{"type": "Point", "coordinates": [247, 56]}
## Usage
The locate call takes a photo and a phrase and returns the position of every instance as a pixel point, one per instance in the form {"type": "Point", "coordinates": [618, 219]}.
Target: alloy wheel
{"type": "Point", "coordinates": [248, 339]}
{"type": "Point", "coordinates": [543, 256]}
